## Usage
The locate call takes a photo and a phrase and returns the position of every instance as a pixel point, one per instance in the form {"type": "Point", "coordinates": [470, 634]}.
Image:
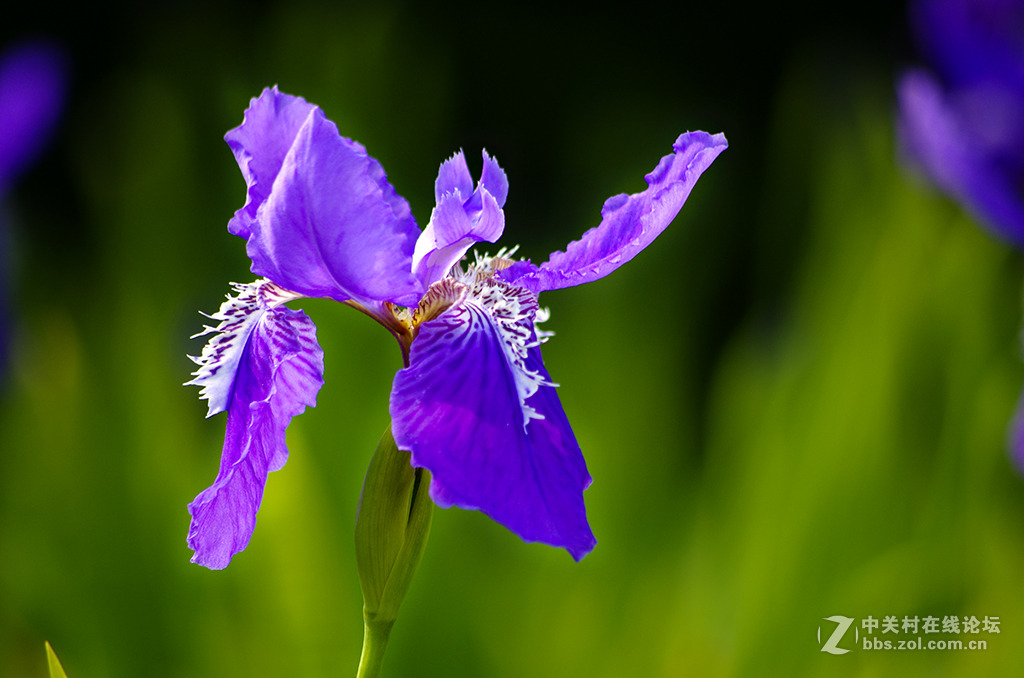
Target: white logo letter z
{"type": "Point", "coordinates": [832, 644]}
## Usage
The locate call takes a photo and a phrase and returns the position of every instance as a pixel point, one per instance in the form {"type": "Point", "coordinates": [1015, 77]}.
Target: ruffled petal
{"type": "Point", "coordinates": [276, 370]}
{"type": "Point", "coordinates": [934, 136]}
{"type": "Point", "coordinates": [461, 218]}
{"type": "Point", "coordinates": [478, 410]}
{"type": "Point", "coordinates": [453, 177]}
{"type": "Point", "coordinates": [629, 223]}
{"type": "Point", "coordinates": [236, 319]}
{"type": "Point", "coordinates": [450, 234]}
{"type": "Point", "coordinates": [32, 83]}
{"type": "Point", "coordinates": [260, 145]}
{"type": "Point", "coordinates": [493, 179]}
{"type": "Point", "coordinates": [321, 218]}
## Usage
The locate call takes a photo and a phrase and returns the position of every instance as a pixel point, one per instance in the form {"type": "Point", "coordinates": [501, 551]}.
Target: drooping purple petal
{"type": "Point", "coordinates": [276, 371]}
{"type": "Point", "coordinates": [967, 161]}
{"type": "Point", "coordinates": [32, 84]}
{"type": "Point", "coordinates": [461, 218]}
{"type": "Point", "coordinates": [320, 217]}
{"type": "Point", "coordinates": [629, 223]}
{"type": "Point", "coordinates": [477, 409]}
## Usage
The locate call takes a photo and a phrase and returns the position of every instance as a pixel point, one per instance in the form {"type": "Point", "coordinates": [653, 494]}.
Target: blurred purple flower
{"type": "Point", "coordinates": [962, 122]}
{"type": "Point", "coordinates": [32, 83]}
{"type": "Point", "coordinates": [474, 404]}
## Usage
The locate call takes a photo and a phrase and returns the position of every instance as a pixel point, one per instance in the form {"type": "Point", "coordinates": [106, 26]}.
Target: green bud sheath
{"type": "Point", "coordinates": [392, 526]}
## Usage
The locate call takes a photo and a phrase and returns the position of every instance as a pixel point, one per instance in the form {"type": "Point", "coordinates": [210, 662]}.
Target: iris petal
{"type": "Point", "coordinates": [32, 83]}
{"type": "Point", "coordinates": [935, 137]}
{"type": "Point", "coordinates": [451, 232]}
{"type": "Point", "coordinates": [278, 373]}
{"type": "Point", "coordinates": [475, 407]}
{"type": "Point", "coordinates": [461, 218]}
{"type": "Point", "coordinates": [222, 355]}
{"type": "Point", "coordinates": [629, 223]}
{"type": "Point", "coordinates": [453, 177]}
{"type": "Point", "coordinates": [320, 217]}
{"type": "Point", "coordinates": [260, 145]}
{"type": "Point", "coordinates": [494, 180]}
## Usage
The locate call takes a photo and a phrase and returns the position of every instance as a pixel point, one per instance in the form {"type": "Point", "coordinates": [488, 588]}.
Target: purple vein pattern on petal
{"type": "Point", "coordinates": [458, 409]}
{"type": "Point", "coordinates": [32, 82]}
{"type": "Point", "coordinates": [462, 216]}
{"type": "Point", "coordinates": [277, 375]}
{"type": "Point", "coordinates": [321, 218]}
{"type": "Point", "coordinates": [629, 223]}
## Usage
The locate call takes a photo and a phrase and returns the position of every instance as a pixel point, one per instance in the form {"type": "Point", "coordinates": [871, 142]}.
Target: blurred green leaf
{"type": "Point", "coordinates": [56, 670]}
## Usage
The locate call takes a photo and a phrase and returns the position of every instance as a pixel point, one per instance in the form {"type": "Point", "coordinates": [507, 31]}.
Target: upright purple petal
{"type": "Point", "coordinates": [32, 84]}
{"type": "Point", "coordinates": [260, 145]}
{"type": "Point", "coordinates": [629, 223]}
{"type": "Point", "coordinates": [477, 409]}
{"type": "Point", "coordinates": [274, 372]}
{"type": "Point", "coordinates": [320, 217]}
{"type": "Point", "coordinates": [461, 218]}
{"type": "Point", "coordinates": [493, 179]}
{"type": "Point", "coordinates": [453, 177]}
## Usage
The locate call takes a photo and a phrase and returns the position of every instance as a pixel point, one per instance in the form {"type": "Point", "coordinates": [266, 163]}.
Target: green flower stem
{"type": "Point", "coordinates": [375, 641]}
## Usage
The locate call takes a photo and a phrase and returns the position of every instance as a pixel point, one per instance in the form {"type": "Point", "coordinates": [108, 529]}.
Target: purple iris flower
{"type": "Point", "coordinates": [32, 82]}
{"type": "Point", "coordinates": [474, 404]}
{"type": "Point", "coordinates": [962, 122]}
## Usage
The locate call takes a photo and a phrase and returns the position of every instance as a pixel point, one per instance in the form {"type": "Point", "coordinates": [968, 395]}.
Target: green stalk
{"type": "Point", "coordinates": [375, 641]}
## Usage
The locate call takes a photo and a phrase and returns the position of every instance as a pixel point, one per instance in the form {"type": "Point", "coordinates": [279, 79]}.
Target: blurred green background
{"type": "Point", "coordinates": [794, 404]}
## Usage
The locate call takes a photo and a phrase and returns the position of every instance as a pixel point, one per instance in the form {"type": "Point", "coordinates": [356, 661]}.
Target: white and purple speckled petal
{"type": "Point", "coordinates": [477, 409]}
{"type": "Point", "coordinates": [278, 374]}
{"type": "Point", "coordinates": [629, 223]}
{"type": "Point", "coordinates": [222, 355]}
